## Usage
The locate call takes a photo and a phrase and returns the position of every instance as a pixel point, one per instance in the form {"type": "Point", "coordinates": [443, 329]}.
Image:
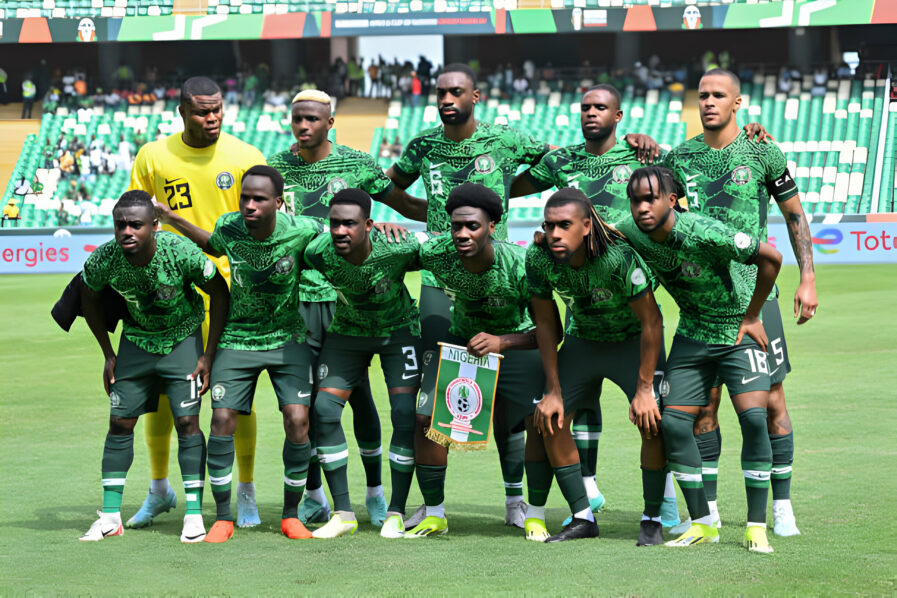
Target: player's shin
{"type": "Point", "coordinates": [118, 453]}
{"type": "Point", "coordinates": [221, 465]}
{"type": "Point", "coordinates": [295, 473]}
{"type": "Point", "coordinates": [782, 459]}
{"type": "Point", "coordinates": [366, 426]}
{"type": "Point", "coordinates": [756, 462]}
{"type": "Point", "coordinates": [710, 446]}
{"type": "Point", "coordinates": [685, 461]}
{"type": "Point", "coordinates": [192, 460]}
{"type": "Point", "coordinates": [244, 446]}
{"type": "Point", "coordinates": [401, 450]}
{"type": "Point", "coordinates": [511, 446]}
{"type": "Point", "coordinates": [333, 452]}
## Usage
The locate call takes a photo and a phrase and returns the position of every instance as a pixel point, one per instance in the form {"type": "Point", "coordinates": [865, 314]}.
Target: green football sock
{"type": "Point", "coordinates": [295, 473]}
{"type": "Point", "coordinates": [366, 426]}
{"type": "Point", "coordinates": [756, 461]}
{"type": "Point", "coordinates": [221, 466]}
{"type": "Point", "coordinates": [710, 446]}
{"type": "Point", "coordinates": [118, 453]}
{"type": "Point", "coordinates": [333, 452]}
{"type": "Point", "coordinates": [431, 479]}
{"type": "Point", "coordinates": [401, 450]}
{"type": "Point", "coordinates": [511, 449]}
{"type": "Point", "coordinates": [569, 479]}
{"type": "Point", "coordinates": [782, 459]}
{"type": "Point", "coordinates": [538, 482]}
{"type": "Point", "coordinates": [684, 460]}
{"type": "Point", "coordinates": [192, 459]}
{"type": "Point", "coordinates": [586, 430]}
{"type": "Point", "coordinates": [653, 484]}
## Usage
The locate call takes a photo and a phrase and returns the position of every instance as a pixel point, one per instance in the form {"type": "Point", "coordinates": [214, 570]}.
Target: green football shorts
{"type": "Point", "coordinates": [345, 360]}
{"type": "Point", "coordinates": [141, 376]}
{"type": "Point", "coordinates": [583, 365]}
{"type": "Point", "coordinates": [235, 375]}
{"type": "Point", "coordinates": [317, 316]}
{"type": "Point", "coordinates": [521, 383]}
{"type": "Point", "coordinates": [435, 319]}
{"type": "Point", "coordinates": [693, 366]}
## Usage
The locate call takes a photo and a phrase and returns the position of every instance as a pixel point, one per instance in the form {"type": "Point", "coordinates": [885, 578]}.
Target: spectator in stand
{"type": "Point", "coordinates": [249, 89]}
{"type": "Point", "coordinates": [508, 83]}
{"type": "Point", "coordinates": [11, 213]}
{"type": "Point", "coordinates": [159, 91]}
{"type": "Point", "coordinates": [124, 76]}
{"type": "Point", "coordinates": [125, 152]}
{"type": "Point", "coordinates": [339, 72]}
{"type": "Point", "coordinates": [356, 76]}
{"type": "Point", "coordinates": [62, 215]}
{"type": "Point", "coordinates": [374, 78]}
{"type": "Point", "coordinates": [29, 91]}
{"type": "Point", "coordinates": [416, 88]}
{"type": "Point", "coordinates": [405, 87]}
{"type": "Point", "coordinates": [425, 73]}
{"type": "Point", "coordinates": [230, 93]}
{"type": "Point", "coordinates": [521, 86]}
{"type": "Point", "coordinates": [820, 79]}
{"type": "Point", "coordinates": [21, 188]}
{"type": "Point", "coordinates": [51, 100]}
{"type": "Point", "coordinates": [529, 69]}
{"type": "Point", "coordinates": [785, 81]}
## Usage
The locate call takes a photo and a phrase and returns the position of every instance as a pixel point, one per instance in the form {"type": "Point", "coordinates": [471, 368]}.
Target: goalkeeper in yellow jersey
{"type": "Point", "coordinates": [197, 173]}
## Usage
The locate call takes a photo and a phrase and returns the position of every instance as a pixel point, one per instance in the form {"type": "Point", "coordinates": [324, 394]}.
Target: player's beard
{"type": "Point", "coordinates": [600, 135]}
{"type": "Point", "coordinates": [458, 118]}
{"type": "Point", "coordinates": [659, 224]}
{"type": "Point", "coordinates": [716, 127]}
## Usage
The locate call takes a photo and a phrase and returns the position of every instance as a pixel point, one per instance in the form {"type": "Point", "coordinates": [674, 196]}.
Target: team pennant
{"type": "Point", "coordinates": [465, 397]}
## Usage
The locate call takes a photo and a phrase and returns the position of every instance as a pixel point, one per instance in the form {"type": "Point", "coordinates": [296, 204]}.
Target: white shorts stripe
{"type": "Point", "coordinates": [113, 481]}
{"type": "Point", "coordinates": [294, 483]}
{"type": "Point", "coordinates": [225, 479]}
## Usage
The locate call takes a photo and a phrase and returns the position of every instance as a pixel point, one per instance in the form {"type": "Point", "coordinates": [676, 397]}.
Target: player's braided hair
{"type": "Point", "coordinates": [475, 196]}
{"type": "Point", "coordinates": [600, 235]}
{"type": "Point", "coordinates": [136, 198]}
{"type": "Point", "coordinates": [666, 183]}
{"type": "Point", "coordinates": [356, 197]}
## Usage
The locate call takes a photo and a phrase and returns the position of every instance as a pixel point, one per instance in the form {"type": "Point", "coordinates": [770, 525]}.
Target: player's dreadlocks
{"type": "Point", "coordinates": [475, 196]}
{"type": "Point", "coordinates": [666, 183]}
{"type": "Point", "coordinates": [355, 197]}
{"type": "Point", "coordinates": [600, 235]}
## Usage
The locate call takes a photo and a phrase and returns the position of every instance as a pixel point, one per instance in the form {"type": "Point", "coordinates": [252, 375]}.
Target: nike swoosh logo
{"type": "Point", "coordinates": [774, 371]}
{"type": "Point", "coordinates": [745, 381]}
{"type": "Point", "coordinates": [303, 395]}
{"type": "Point", "coordinates": [185, 404]}
{"type": "Point", "coordinates": [536, 401]}
{"type": "Point", "coordinates": [110, 531]}
{"type": "Point", "coordinates": [692, 177]}
{"type": "Point", "coordinates": [408, 376]}
{"type": "Point", "coordinates": [196, 537]}
{"type": "Point", "coordinates": [167, 182]}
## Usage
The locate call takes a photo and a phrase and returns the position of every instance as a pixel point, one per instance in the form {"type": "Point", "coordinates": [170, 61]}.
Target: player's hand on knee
{"type": "Point", "coordinates": [753, 327]}
{"type": "Point", "coordinates": [805, 302]}
{"type": "Point", "coordinates": [392, 231]}
{"type": "Point", "coordinates": [551, 406]}
{"type": "Point", "coordinates": [484, 343]}
{"type": "Point", "coordinates": [201, 373]}
{"type": "Point", "coordinates": [109, 373]}
{"type": "Point", "coordinates": [643, 412]}
{"type": "Point", "coordinates": [757, 130]}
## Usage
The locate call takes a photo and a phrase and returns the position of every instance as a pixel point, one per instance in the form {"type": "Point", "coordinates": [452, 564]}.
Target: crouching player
{"type": "Point", "coordinates": [719, 335]}
{"type": "Point", "coordinates": [160, 349]}
{"type": "Point", "coordinates": [615, 332]}
{"type": "Point", "coordinates": [486, 282]}
{"type": "Point", "coordinates": [264, 331]}
{"type": "Point", "coordinates": [374, 315]}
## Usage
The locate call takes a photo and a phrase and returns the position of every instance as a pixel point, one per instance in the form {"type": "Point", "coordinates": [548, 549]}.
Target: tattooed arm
{"type": "Point", "coordinates": [805, 301]}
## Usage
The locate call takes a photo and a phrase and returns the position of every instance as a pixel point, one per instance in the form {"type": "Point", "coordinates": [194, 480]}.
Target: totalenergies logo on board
{"type": "Point", "coordinates": [825, 240]}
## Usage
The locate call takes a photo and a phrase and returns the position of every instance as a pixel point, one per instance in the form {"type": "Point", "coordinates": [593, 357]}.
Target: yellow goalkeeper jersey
{"type": "Point", "coordinates": [199, 183]}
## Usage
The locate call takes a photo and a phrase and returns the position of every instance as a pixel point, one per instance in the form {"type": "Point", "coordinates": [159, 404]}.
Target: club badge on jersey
{"type": "Point", "coordinates": [465, 398]}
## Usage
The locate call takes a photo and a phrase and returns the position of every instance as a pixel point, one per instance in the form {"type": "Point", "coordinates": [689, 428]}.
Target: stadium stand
{"type": "Point", "coordinates": [122, 8]}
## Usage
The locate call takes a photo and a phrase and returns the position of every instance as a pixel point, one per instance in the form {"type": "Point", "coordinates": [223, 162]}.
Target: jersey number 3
{"type": "Point", "coordinates": [178, 196]}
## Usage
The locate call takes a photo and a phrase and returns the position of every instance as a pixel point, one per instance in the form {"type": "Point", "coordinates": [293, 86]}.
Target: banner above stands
{"type": "Point", "coordinates": [789, 13]}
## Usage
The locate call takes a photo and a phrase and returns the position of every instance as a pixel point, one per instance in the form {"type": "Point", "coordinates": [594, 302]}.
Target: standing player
{"type": "Point", "coordinates": [720, 336]}
{"type": "Point", "coordinates": [615, 332]}
{"type": "Point", "coordinates": [727, 177]}
{"type": "Point", "coordinates": [465, 150]}
{"type": "Point", "coordinates": [197, 173]}
{"type": "Point", "coordinates": [375, 315]}
{"type": "Point", "coordinates": [486, 280]}
{"type": "Point", "coordinates": [264, 332]}
{"type": "Point", "coordinates": [600, 168]}
{"type": "Point", "coordinates": [161, 345]}
{"type": "Point", "coordinates": [314, 170]}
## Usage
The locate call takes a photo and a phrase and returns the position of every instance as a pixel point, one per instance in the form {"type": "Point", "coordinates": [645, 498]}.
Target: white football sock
{"type": "Point", "coordinates": [533, 512]}
{"type": "Point", "coordinates": [584, 514]}
{"type": "Point", "coordinates": [247, 489]}
{"type": "Point", "coordinates": [317, 495]}
{"type": "Point", "coordinates": [160, 487]}
{"type": "Point", "coordinates": [669, 490]}
{"type": "Point", "coordinates": [591, 485]}
{"type": "Point", "coordinates": [437, 511]}
{"type": "Point", "coordinates": [373, 491]}
{"type": "Point", "coordinates": [510, 500]}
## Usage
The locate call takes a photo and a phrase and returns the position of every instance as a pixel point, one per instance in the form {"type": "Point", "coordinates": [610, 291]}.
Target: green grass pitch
{"type": "Point", "coordinates": [841, 397]}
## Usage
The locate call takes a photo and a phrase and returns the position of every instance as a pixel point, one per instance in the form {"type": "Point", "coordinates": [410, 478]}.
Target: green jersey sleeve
{"type": "Point", "coordinates": [196, 267]}
{"type": "Point", "coordinates": [217, 241]}
{"type": "Point", "coordinates": [542, 175]}
{"type": "Point", "coordinates": [375, 182]}
{"type": "Point", "coordinates": [538, 264]}
{"type": "Point", "coordinates": [95, 275]}
{"type": "Point", "coordinates": [530, 150]}
{"type": "Point", "coordinates": [409, 163]}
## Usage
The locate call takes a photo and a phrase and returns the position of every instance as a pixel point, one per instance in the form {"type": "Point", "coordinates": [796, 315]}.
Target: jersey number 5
{"type": "Point", "coordinates": [182, 191]}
